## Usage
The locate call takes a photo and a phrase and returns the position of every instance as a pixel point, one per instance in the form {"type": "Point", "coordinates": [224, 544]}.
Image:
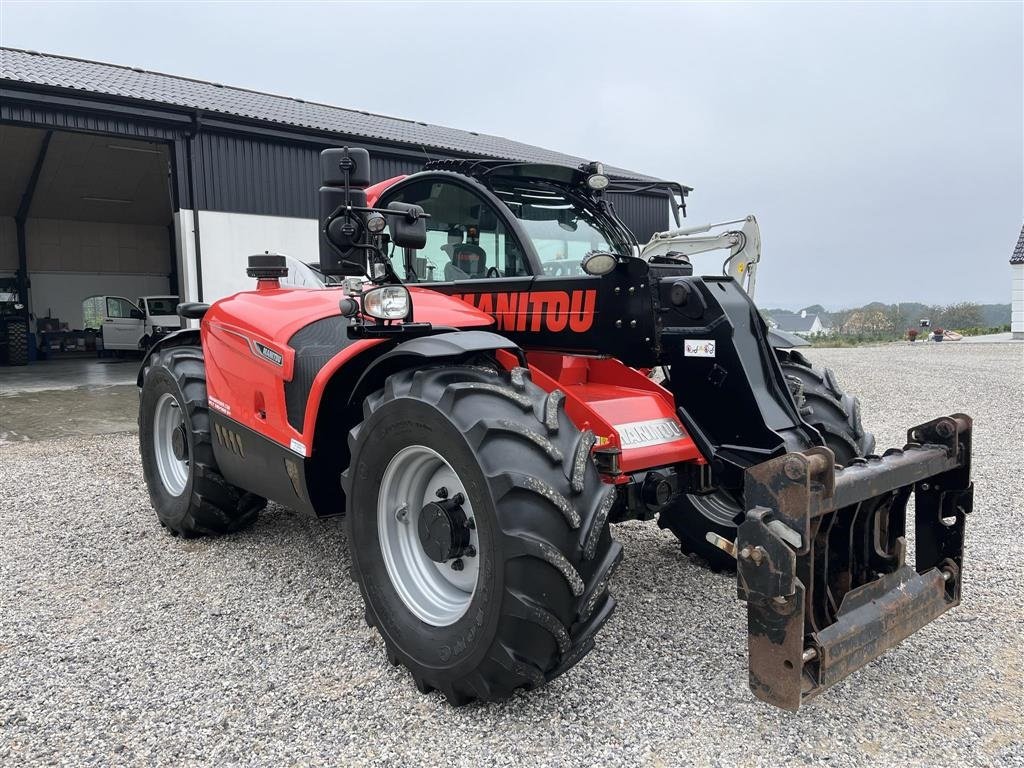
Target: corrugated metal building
{"type": "Point", "coordinates": [118, 180]}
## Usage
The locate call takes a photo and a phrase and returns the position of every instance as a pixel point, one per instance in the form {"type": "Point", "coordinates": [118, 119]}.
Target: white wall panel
{"type": "Point", "coordinates": [1017, 294]}
{"type": "Point", "coordinates": [93, 246]}
{"type": "Point", "coordinates": [228, 239]}
{"type": "Point", "coordinates": [185, 242]}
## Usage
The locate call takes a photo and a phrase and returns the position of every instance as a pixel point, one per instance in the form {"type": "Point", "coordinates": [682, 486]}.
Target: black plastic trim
{"type": "Point", "coordinates": [257, 464]}
{"type": "Point", "coordinates": [314, 344]}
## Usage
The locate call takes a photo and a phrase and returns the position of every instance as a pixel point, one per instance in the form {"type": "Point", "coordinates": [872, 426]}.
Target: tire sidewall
{"type": "Point", "coordinates": [170, 509]}
{"type": "Point", "coordinates": [460, 647]}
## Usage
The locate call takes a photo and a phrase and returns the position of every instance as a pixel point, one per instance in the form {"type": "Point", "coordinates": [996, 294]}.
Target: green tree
{"type": "Point", "coordinates": [966, 314]}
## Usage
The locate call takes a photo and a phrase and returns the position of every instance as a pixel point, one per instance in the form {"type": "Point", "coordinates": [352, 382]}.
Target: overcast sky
{"type": "Point", "coordinates": [881, 146]}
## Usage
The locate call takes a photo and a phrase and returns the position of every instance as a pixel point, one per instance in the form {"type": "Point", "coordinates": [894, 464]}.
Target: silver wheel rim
{"type": "Point", "coordinates": [435, 592]}
{"type": "Point", "coordinates": [168, 419]}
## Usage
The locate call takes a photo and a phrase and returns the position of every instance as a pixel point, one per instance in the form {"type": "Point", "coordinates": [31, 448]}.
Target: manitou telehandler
{"type": "Point", "coordinates": [473, 397]}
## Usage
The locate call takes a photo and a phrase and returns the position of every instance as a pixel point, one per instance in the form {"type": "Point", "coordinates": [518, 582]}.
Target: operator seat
{"type": "Point", "coordinates": [469, 262]}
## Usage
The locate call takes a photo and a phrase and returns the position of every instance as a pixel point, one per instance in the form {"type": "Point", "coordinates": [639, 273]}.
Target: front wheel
{"type": "Point", "coordinates": [823, 405]}
{"type": "Point", "coordinates": [478, 530]}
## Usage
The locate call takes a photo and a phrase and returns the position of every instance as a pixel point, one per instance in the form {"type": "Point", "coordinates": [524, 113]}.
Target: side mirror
{"type": "Point", "coordinates": [408, 225]}
{"type": "Point", "coordinates": [338, 254]}
{"type": "Point", "coordinates": [335, 162]}
{"type": "Point", "coordinates": [344, 174]}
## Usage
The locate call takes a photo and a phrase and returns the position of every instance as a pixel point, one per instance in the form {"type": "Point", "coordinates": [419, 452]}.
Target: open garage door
{"type": "Point", "coordinates": [83, 215]}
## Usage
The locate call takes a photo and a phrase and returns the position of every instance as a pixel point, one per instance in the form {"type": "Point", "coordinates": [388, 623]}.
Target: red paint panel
{"type": "Point", "coordinates": [602, 392]}
{"type": "Point", "coordinates": [374, 191]}
{"type": "Point", "coordinates": [250, 388]}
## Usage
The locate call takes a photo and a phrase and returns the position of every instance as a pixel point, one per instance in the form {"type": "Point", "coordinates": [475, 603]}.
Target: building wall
{"type": "Point", "coordinates": [70, 260]}
{"type": "Point", "coordinates": [245, 174]}
{"type": "Point", "coordinates": [60, 294]}
{"type": "Point", "coordinates": [1017, 309]}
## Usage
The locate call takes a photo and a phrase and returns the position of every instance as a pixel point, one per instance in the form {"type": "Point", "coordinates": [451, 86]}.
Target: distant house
{"type": "Point", "coordinates": [802, 323]}
{"type": "Point", "coordinates": [1017, 268]}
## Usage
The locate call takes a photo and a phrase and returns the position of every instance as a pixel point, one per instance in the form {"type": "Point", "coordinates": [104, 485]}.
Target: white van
{"type": "Point", "coordinates": [125, 325]}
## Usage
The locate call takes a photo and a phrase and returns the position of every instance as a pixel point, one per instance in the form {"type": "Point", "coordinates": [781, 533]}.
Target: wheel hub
{"type": "Point", "coordinates": [444, 529]}
{"type": "Point", "coordinates": [428, 537]}
{"type": "Point", "coordinates": [179, 445]}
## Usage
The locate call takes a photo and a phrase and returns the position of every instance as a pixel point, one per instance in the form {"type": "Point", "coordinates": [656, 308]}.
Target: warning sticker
{"type": "Point", "coordinates": [219, 405]}
{"type": "Point", "coordinates": [699, 348]}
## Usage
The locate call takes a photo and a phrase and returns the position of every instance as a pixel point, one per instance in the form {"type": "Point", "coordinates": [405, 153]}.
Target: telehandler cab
{"type": "Point", "coordinates": [474, 398]}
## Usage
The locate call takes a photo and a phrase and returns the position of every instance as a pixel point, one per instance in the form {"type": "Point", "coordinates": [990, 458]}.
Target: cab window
{"type": "Point", "coordinates": [120, 308]}
{"type": "Point", "coordinates": [465, 238]}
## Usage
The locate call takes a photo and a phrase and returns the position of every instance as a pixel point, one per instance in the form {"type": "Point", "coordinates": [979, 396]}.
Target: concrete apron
{"type": "Point", "coordinates": [68, 397]}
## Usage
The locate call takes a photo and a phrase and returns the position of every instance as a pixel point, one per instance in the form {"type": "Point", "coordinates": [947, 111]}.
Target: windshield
{"type": "Point", "coordinates": [562, 227]}
{"type": "Point", "coordinates": [163, 305]}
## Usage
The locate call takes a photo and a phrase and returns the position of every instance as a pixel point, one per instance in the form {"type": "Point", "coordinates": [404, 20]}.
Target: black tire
{"type": "Point", "coordinates": [823, 405]}
{"type": "Point", "coordinates": [541, 515]}
{"type": "Point", "coordinates": [207, 505]}
{"type": "Point", "coordinates": [826, 407]}
{"type": "Point", "coordinates": [17, 343]}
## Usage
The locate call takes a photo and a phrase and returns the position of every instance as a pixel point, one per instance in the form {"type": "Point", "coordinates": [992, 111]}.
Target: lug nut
{"type": "Point", "coordinates": [459, 499]}
{"type": "Point", "coordinates": [470, 551]}
{"type": "Point", "coordinates": [471, 524]}
{"type": "Point", "coordinates": [458, 565]}
{"type": "Point", "coordinates": [402, 513]}
{"type": "Point", "coordinates": [442, 493]}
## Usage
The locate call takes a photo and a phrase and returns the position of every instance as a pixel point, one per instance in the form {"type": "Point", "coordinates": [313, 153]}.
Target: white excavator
{"type": "Point", "coordinates": [743, 244]}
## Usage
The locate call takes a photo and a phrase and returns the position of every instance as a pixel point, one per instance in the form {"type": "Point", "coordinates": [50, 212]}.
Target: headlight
{"type": "Point", "coordinates": [597, 181]}
{"type": "Point", "coordinates": [375, 223]}
{"type": "Point", "coordinates": [389, 302]}
{"type": "Point", "coordinates": [599, 262]}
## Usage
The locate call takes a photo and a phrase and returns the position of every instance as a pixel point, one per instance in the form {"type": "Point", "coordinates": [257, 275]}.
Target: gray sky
{"type": "Point", "coordinates": [881, 146]}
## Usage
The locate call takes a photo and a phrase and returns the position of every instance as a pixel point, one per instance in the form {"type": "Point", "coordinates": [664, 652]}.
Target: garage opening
{"type": "Point", "coordinates": [83, 215]}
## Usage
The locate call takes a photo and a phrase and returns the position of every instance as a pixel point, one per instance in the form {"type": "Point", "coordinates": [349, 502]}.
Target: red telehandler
{"type": "Point", "coordinates": [473, 396]}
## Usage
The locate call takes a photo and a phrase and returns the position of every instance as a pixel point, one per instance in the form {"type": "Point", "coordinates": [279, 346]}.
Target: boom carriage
{"type": "Point", "coordinates": [820, 549]}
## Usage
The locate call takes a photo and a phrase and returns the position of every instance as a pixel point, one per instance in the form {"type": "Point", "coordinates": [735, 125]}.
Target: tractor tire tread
{"type": "Point", "coordinates": [569, 540]}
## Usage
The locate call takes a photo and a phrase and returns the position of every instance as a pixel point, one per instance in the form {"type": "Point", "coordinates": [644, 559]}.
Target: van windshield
{"type": "Point", "coordinates": [561, 226]}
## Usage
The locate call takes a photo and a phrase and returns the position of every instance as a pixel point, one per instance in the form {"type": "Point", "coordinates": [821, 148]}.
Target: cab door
{"type": "Point", "coordinates": [123, 324]}
{"type": "Point", "coordinates": [469, 237]}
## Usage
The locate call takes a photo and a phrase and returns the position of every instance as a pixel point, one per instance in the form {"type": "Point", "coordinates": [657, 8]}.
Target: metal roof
{"type": "Point", "coordinates": [1017, 257]}
{"type": "Point", "coordinates": [132, 83]}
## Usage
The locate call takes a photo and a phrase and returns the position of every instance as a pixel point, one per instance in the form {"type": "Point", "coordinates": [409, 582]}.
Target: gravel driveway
{"type": "Point", "coordinates": [120, 644]}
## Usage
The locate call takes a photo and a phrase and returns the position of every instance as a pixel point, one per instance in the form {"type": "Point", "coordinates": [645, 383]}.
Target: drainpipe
{"type": "Point", "coordinates": [191, 152]}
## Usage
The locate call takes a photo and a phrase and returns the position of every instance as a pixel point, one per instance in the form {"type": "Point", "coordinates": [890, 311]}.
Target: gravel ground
{"type": "Point", "coordinates": [120, 644]}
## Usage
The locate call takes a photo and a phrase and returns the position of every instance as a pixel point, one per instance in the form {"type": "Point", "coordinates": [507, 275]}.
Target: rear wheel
{"type": "Point", "coordinates": [187, 492]}
{"type": "Point", "coordinates": [478, 530]}
{"type": "Point", "coordinates": [823, 405]}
